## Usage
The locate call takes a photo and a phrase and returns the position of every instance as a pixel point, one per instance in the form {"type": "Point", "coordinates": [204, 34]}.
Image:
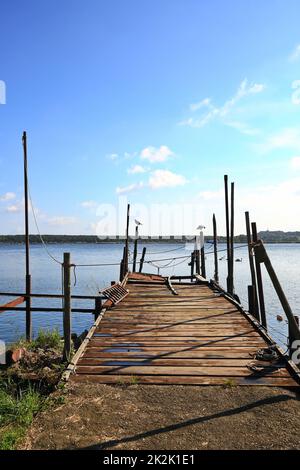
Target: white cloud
{"type": "Point", "coordinates": [288, 138]}
{"type": "Point", "coordinates": [165, 179]}
{"type": "Point", "coordinates": [136, 169]}
{"type": "Point", "coordinates": [14, 208]}
{"type": "Point", "coordinates": [295, 55]}
{"type": "Point", "coordinates": [130, 188]}
{"type": "Point", "coordinates": [296, 93]}
{"type": "Point", "coordinates": [156, 155]}
{"type": "Point", "coordinates": [222, 112]}
{"type": "Point", "coordinates": [295, 163]}
{"type": "Point", "coordinates": [7, 197]}
{"type": "Point", "coordinates": [210, 195]}
{"type": "Point", "coordinates": [89, 204]}
{"type": "Point", "coordinates": [61, 220]}
{"type": "Point", "coordinates": [112, 156]}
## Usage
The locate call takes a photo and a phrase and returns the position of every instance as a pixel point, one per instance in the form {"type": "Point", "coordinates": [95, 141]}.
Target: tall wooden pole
{"type": "Point", "coordinates": [262, 257]}
{"type": "Point", "coordinates": [227, 231]}
{"type": "Point", "coordinates": [259, 280]}
{"type": "Point", "coordinates": [27, 253]}
{"type": "Point", "coordinates": [135, 248]}
{"type": "Point", "coordinates": [252, 293]}
{"type": "Point", "coordinates": [67, 307]}
{"type": "Point", "coordinates": [127, 240]}
{"type": "Point", "coordinates": [216, 273]}
{"type": "Point", "coordinates": [232, 240]}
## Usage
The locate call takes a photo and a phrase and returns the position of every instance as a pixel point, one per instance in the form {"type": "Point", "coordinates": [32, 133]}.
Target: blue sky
{"type": "Point", "coordinates": [153, 102]}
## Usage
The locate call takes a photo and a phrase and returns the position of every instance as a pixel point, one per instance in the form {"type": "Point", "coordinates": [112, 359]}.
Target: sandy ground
{"type": "Point", "coordinates": [169, 417]}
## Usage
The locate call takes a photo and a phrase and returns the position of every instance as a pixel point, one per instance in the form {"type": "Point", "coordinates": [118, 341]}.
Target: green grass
{"type": "Point", "coordinates": [20, 401]}
{"type": "Point", "coordinates": [47, 339]}
{"type": "Point", "coordinates": [17, 409]}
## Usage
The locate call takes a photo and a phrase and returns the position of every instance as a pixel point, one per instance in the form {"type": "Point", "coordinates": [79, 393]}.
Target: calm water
{"type": "Point", "coordinates": [46, 278]}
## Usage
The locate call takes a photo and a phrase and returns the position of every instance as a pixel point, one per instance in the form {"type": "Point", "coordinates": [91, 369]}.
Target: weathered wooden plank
{"type": "Point", "coordinates": [184, 380]}
{"type": "Point", "coordinates": [183, 370]}
{"type": "Point", "coordinates": [197, 337]}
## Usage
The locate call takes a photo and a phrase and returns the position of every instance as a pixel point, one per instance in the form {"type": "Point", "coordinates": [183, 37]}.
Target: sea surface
{"type": "Point", "coordinates": [88, 280]}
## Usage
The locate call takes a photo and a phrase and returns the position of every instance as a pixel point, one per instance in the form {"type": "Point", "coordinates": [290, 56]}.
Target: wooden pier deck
{"type": "Point", "coordinates": [198, 336]}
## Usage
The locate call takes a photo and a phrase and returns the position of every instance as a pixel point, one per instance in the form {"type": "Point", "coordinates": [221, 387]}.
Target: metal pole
{"type": "Point", "coordinates": [27, 253]}
{"type": "Point", "coordinates": [127, 241]}
{"type": "Point", "coordinates": [227, 231]}
{"type": "Point", "coordinates": [67, 307]}
{"type": "Point", "coordinates": [259, 280]}
{"type": "Point", "coordinates": [135, 248]}
{"type": "Point", "coordinates": [216, 274]}
{"type": "Point", "coordinates": [253, 301]}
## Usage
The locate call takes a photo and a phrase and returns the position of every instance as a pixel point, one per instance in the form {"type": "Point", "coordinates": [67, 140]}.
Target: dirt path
{"type": "Point", "coordinates": [169, 417]}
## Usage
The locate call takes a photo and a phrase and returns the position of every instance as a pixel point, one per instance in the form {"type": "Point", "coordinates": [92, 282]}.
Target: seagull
{"type": "Point", "coordinates": [201, 227]}
{"type": "Point", "coordinates": [137, 222]}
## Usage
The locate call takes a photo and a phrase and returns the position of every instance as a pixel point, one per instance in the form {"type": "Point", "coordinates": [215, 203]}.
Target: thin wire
{"type": "Point", "coordinates": [38, 230]}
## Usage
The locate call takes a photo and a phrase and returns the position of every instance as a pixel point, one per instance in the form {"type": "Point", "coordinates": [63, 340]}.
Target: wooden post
{"type": "Point", "coordinates": [127, 242]}
{"type": "Point", "coordinates": [254, 301]}
{"type": "Point", "coordinates": [262, 257]}
{"type": "Point", "coordinates": [197, 259]}
{"type": "Point", "coordinates": [251, 307]}
{"type": "Point", "coordinates": [216, 273]}
{"type": "Point", "coordinates": [259, 279]}
{"type": "Point", "coordinates": [142, 259]}
{"type": "Point", "coordinates": [122, 265]}
{"type": "Point", "coordinates": [232, 240]}
{"type": "Point", "coordinates": [203, 270]}
{"type": "Point", "coordinates": [67, 307]}
{"type": "Point", "coordinates": [135, 248]}
{"type": "Point", "coordinates": [27, 253]}
{"type": "Point", "coordinates": [192, 263]}
{"type": "Point", "coordinates": [227, 231]}
{"type": "Point", "coordinates": [98, 306]}
{"type": "Point", "coordinates": [291, 337]}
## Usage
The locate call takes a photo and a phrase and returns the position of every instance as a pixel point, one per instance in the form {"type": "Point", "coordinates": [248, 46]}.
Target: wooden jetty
{"type": "Point", "coordinates": [185, 331]}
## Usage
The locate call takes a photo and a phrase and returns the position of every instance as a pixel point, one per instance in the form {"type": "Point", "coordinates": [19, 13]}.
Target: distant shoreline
{"type": "Point", "coordinates": [267, 236]}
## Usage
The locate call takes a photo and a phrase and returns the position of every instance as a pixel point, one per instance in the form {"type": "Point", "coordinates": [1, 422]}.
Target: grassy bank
{"type": "Point", "coordinates": [25, 386]}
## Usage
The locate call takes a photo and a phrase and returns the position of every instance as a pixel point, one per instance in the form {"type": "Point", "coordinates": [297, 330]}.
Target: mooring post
{"type": "Point", "coordinates": [135, 248]}
{"type": "Point", "coordinates": [127, 242]}
{"type": "Point", "coordinates": [98, 306]}
{"type": "Point", "coordinates": [192, 263]}
{"type": "Point", "coordinates": [216, 273]}
{"type": "Point", "coordinates": [254, 309]}
{"type": "Point", "coordinates": [232, 239]}
{"type": "Point", "coordinates": [67, 307]}
{"type": "Point", "coordinates": [142, 259]}
{"type": "Point", "coordinates": [27, 253]}
{"type": "Point", "coordinates": [122, 265]}
{"type": "Point", "coordinates": [260, 289]}
{"type": "Point", "coordinates": [202, 252]}
{"type": "Point", "coordinates": [227, 231]}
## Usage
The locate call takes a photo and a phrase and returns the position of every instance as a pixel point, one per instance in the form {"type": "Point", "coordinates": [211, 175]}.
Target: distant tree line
{"type": "Point", "coordinates": [267, 236]}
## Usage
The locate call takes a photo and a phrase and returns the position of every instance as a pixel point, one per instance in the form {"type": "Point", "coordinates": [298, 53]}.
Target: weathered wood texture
{"type": "Point", "coordinates": [195, 337]}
